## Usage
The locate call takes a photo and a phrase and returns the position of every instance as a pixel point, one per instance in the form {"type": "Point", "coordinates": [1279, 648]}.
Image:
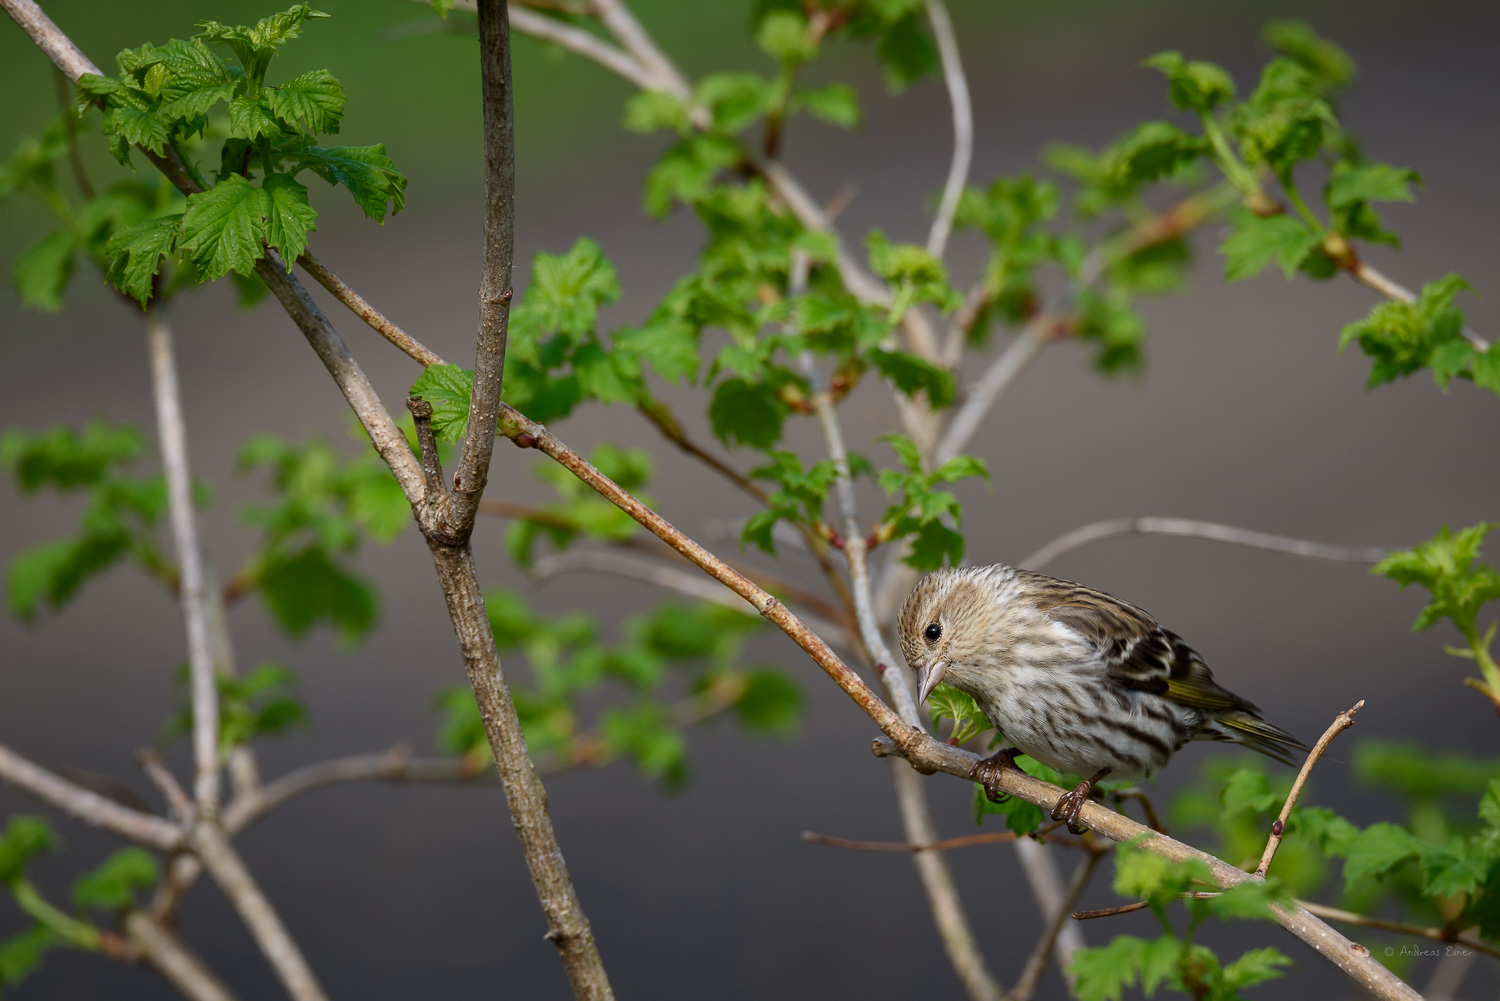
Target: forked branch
{"type": "Point", "coordinates": [1341, 722]}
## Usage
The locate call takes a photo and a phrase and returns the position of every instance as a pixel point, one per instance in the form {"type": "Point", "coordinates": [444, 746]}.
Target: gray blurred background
{"type": "Point", "coordinates": [1244, 414]}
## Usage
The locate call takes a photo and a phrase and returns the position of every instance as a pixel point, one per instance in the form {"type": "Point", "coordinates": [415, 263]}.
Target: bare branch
{"type": "Point", "coordinates": [89, 807]}
{"type": "Point", "coordinates": [174, 960]}
{"type": "Point", "coordinates": [628, 32]}
{"type": "Point", "coordinates": [983, 394]}
{"type": "Point", "coordinates": [577, 41]}
{"type": "Point", "coordinates": [1036, 963]}
{"type": "Point", "coordinates": [432, 464]}
{"type": "Point", "coordinates": [408, 344]}
{"type": "Point", "coordinates": [225, 866]}
{"type": "Point", "coordinates": [499, 253]}
{"type": "Point", "coordinates": [1468, 941]}
{"type": "Point", "coordinates": [963, 126]}
{"type": "Point", "coordinates": [49, 38]}
{"type": "Point", "coordinates": [906, 847]}
{"type": "Point", "coordinates": [1341, 722]}
{"type": "Point", "coordinates": [388, 439]}
{"type": "Point", "coordinates": [1190, 528]}
{"type": "Point", "coordinates": [192, 589]}
{"type": "Point", "coordinates": [166, 783]}
{"type": "Point", "coordinates": [1353, 959]}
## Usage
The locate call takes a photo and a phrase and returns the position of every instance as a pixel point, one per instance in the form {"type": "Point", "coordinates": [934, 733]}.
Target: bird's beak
{"type": "Point", "coordinates": [928, 678]}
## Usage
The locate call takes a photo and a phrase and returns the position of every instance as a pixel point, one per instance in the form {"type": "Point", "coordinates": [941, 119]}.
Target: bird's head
{"type": "Point", "coordinates": [949, 622]}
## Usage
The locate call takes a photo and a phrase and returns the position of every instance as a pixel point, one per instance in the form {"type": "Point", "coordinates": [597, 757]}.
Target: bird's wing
{"type": "Point", "coordinates": [1135, 650]}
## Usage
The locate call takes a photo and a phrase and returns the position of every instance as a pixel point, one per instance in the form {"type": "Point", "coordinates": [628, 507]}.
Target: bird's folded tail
{"type": "Point", "coordinates": [1252, 731]}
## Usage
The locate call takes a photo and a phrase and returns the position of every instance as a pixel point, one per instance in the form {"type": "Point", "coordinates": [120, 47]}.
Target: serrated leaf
{"type": "Point", "coordinates": [783, 35]}
{"type": "Point", "coordinates": [1255, 967]}
{"type": "Point", "coordinates": [650, 110]}
{"type": "Point", "coordinates": [52, 572]}
{"type": "Point", "coordinates": [135, 254]}
{"type": "Point", "coordinates": [250, 118]}
{"type": "Point", "coordinates": [449, 389]}
{"type": "Point", "coordinates": [289, 216]}
{"type": "Point", "coordinates": [1331, 64]}
{"type": "Point", "coordinates": [1256, 242]}
{"type": "Point", "coordinates": [199, 79]}
{"type": "Point", "coordinates": [136, 127]}
{"type": "Point", "coordinates": [1378, 849]}
{"type": "Point", "coordinates": [223, 227]}
{"type": "Point", "coordinates": [1193, 85]}
{"type": "Point", "coordinates": [366, 171]}
{"type": "Point", "coordinates": [306, 589]}
{"type": "Point", "coordinates": [912, 374]}
{"type": "Point", "coordinates": [1103, 973]}
{"type": "Point", "coordinates": [1376, 182]}
{"type": "Point", "coordinates": [567, 290]}
{"type": "Point", "coordinates": [315, 99]}
{"type": "Point", "coordinates": [744, 413]}
{"type": "Point", "coordinates": [670, 347]}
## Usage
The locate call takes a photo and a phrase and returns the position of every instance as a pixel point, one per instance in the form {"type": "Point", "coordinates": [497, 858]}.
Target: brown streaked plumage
{"type": "Point", "coordinates": [1073, 677]}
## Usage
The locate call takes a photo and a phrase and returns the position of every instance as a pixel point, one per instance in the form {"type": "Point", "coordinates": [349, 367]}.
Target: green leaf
{"type": "Point", "coordinates": [912, 374]}
{"type": "Point", "coordinates": [907, 51]}
{"type": "Point", "coordinates": [645, 735]}
{"type": "Point", "coordinates": [1193, 85]}
{"type": "Point", "coordinates": [290, 218]}
{"type": "Point", "coordinates": [1152, 151]}
{"type": "Point", "coordinates": [41, 274]}
{"type": "Point", "coordinates": [1447, 566]}
{"type": "Point", "coordinates": [933, 545]}
{"type": "Point", "coordinates": [251, 118]}
{"type": "Point", "coordinates": [1103, 973]}
{"type": "Point", "coordinates": [223, 227]}
{"type": "Point", "coordinates": [1256, 242]}
{"type": "Point", "coordinates": [449, 389]}
{"type": "Point", "coordinates": [567, 290]}
{"type": "Point", "coordinates": [1331, 834]}
{"type": "Point", "coordinates": [744, 413]}
{"type": "Point", "coordinates": [735, 100]}
{"type": "Point", "coordinates": [136, 253]}
{"type": "Point", "coordinates": [653, 110]}
{"type": "Point", "coordinates": [1020, 816]}
{"type": "Point", "coordinates": [366, 171]}
{"type": "Point", "coordinates": [1255, 967]}
{"type": "Point", "coordinates": [255, 45]}
{"type": "Point", "coordinates": [770, 702]}
{"type": "Point", "coordinates": [836, 104]}
{"type": "Point", "coordinates": [21, 953]}
{"type": "Point", "coordinates": [53, 572]}
{"type": "Point", "coordinates": [670, 347]}
{"type": "Point", "coordinates": [783, 35]}
{"type": "Point", "coordinates": [308, 588]}
{"type": "Point", "coordinates": [65, 459]}
{"type": "Point", "coordinates": [137, 127]}
{"type": "Point", "coordinates": [199, 79]}
{"type": "Point", "coordinates": [1378, 849]}
{"type": "Point", "coordinates": [314, 99]}
{"type": "Point", "coordinates": [112, 886]}
{"type": "Point", "coordinates": [24, 837]}
{"type": "Point", "coordinates": [1325, 60]}
{"type": "Point", "coordinates": [1403, 337]}
{"type": "Point", "coordinates": [1376, 182]}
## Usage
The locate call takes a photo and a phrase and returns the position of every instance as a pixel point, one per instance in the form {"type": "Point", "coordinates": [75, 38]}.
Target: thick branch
{"type": "Point", "coordinates": [499, 252]}
{"type": "Point", "coordinates": [228, 871]}
{"type": "Point", "coordinates": [192, 589]}
{"type": "Point", "coordinates": [173, 960]}
{"type": "Point", "coordinates": [1435, 934]}
{"type": "Point", "coordinates": [86, 806]}
{"type": "Point", "coordinates": [963, 126]}
{"type": "Point", "coordinates": [1191, 528]}
{"type": "Point", "coordinates": [1341, 722]}
{"type": "Point", "coordinates": [1352, 958]}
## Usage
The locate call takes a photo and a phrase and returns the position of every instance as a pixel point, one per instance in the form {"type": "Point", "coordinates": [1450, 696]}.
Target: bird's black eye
{"type": "Point", "coordinates": [933, 632]}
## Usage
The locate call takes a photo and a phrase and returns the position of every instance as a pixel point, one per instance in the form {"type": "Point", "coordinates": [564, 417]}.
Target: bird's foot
{"type": "Point", "coordinates": [987, 772]}
{"type": "Point", "coordinates": [1070, 804]}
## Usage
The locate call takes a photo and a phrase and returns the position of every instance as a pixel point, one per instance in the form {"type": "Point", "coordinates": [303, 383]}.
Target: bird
{"type": "Point", "coordinates": [1071, 676]}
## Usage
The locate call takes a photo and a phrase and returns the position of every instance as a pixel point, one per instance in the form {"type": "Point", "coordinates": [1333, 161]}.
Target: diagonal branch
{"type": "Point", "coordinates": [377, 321]}
{"type": "Point", "coordinates": [87, 806]}
{"type": "Point", "coordinates": [1190, 528]}
{"type": "Point", "coordinates": [1036, 963]}
{"type": "Point", "coordinates": [1341, 722]}
{"type": "Point", "coordinates": [963, 126]}
{"type": "Point", "coordinates": [177, 964]}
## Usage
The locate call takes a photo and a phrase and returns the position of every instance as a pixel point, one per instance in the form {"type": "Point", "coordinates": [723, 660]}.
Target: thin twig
{"type": "Point", "coordinates": [1341, 722]}
{"type": "Point", "coordinates": [166, 783]}
{"type": "Point", "coordinates": [575, 40]}
{"type": "Point", "coordinates": [1036, 963]}
{"type": "Point", "coordinates": [664, 421]}
{"type": "Point", "coordinates": [1139, 795]}
{"type": "Point", "coordinates": [1191, 528]}
{"type": "Point", "coordinates": [963, 126]}
{"type": "Point", "coordinates": [1109, 912]}
{"type": "Point", "coordinates": [192, 590]}
{"type": "Point", "coordinates": [86, 805]}
{"type": "Point", "coordinates": [618, 19]}
{"type": "Point", "coordinates": [906, 847]}
{"type": "Point", "coordinates": [178, 964]}
{"type": "Point", "coordinates": [1468, 941]}
{"type": "Point", "coordinates": [1044, 878]}
{"type": "Point", "coordinates": [228, 871]}
{"type": "Point", "coordinates": [377, 321]}
{"type": "Point", "coordinates": [983, 394]}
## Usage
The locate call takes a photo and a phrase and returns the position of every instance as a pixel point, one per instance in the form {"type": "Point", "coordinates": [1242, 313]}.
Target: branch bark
{"type": "Point", "coordinates": [86, 806]}
{"type": "Point", "coordinates": [1341, 722]}
{"type": "Point", "coordinates": [376, 320]}
{"type": "Point", "coordinates": [1191, 528]}
{"type": "Point", "coordinates": [963, 126]}
{"type": "Point", "coordinates": [192, 589]}
{"type": "Point", "coordinates": [1057, 922]}
{"type": "Point", "coordinates": [173, 960]}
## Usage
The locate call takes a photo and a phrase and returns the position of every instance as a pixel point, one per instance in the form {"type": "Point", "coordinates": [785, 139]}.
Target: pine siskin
{"type": "Point", "coordinates": [1073, 677]}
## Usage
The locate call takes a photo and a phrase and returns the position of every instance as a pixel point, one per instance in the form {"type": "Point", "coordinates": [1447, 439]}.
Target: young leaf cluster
{"type": "Point", "coordinates": [166, 95]}
{"type": "Point", "coordinates": [923, 512]}
{"type": "Point", "coordinates": [263, 703]}
{"type": "Point", "coordinates": [693, 648]}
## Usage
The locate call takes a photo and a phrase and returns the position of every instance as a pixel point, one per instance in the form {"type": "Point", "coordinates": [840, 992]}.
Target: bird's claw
{"type": "Point", "coordinates": [987, 772]}
{"type": "Point", "coordinates": [1070, 804]}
